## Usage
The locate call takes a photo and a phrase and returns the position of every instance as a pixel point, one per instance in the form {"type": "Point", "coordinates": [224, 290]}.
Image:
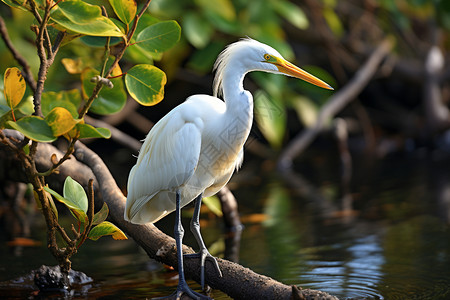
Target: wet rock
{"type": "Point", "coordinates": [51, 279]}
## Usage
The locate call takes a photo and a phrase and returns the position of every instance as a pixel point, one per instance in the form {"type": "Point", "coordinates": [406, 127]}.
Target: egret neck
{"type": "Point", "coordinates": [239, 104]}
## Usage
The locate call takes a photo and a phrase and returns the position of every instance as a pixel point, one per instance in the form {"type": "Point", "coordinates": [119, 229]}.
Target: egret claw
{"type": "Point", "coordinates": [204, 254]}
{"type": "Point", "coordinates": [184, 289]}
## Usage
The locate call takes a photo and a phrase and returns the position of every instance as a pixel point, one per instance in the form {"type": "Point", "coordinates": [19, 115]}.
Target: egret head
{"type": "Point", "coordinates": [249, 55]}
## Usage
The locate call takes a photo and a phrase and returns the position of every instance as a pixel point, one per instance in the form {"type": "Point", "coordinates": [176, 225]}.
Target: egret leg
{"type": "Point", "coordinates": [183, 287]}
{"type": "Point", "coordinates": [203, 253]}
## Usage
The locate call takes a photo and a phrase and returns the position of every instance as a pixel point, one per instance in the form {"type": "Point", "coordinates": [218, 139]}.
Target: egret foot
{"type": "Point", "coordinates": [204, 254]}
{"type": "Point", "coordinates": [184, 289]}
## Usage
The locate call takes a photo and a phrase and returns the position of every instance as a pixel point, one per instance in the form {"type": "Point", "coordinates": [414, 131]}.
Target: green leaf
{"type": "Point", "coordinates": [109, 101]}
{"type": "Point", "coordinates": [34, 128]}
{"type": "Point", "coordinates": [25, 107]}
{"type": "Point", "coordinates": [70, 100]}
{"type": "Point", "coordinates": [79, 214]}
{"type": "Point", "coordinates": [20, 4]}
{"type": "Point", "coordinates": [80, 17]}
{"type": "Point", "coordinates": [101, 215]}
{"type": "Point", "coordinates": [106, 228]}
{"type": "Point", "coordinates": [145, 83]}
{"type": "Point", "coordinates": [292, 13]}
{"type": "Point", "coordinates": [88, 131]}
{"type": "Point", "coordinates": [197, 30]}
{"type": "Point", "coordinates": [75, 194]}
{"type": "Point", "coordinates": [271, 119]}
{"type": "Point", "coordinates": [60, 120]}
{"type": "Point", "coordinates": [213, 203]}
{"type": "Point", "coordinates": [124, 9]}
{"type": "Point", "coordinates": [159, 37]}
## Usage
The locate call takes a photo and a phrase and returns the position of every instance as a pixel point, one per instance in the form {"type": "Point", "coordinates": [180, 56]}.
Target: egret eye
{"type": "Point", "coordinates": [267, 57]}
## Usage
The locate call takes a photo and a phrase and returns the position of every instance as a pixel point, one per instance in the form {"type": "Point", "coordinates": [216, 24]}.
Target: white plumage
{"type": "Point", "coordinates": [195, 148]}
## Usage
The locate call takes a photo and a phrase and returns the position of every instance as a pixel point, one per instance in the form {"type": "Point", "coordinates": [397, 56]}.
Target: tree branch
{"type": "Point", "coordinates": [337, 102]}
{"type": "Point", "coordinates": [158, 245]}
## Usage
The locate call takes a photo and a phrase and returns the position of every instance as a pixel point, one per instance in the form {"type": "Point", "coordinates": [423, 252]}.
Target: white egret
{"type": "Point", "coordinates": [193, 151]}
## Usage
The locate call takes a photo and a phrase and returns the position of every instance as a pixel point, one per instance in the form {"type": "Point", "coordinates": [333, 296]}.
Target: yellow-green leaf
{"type": "Point", "coordinates": [80, 17]}
{"type": "Point", "coordinates": [60, 121]}
{"type": "Point", "coordinates": [88, 131]}
{"type": "Point", "coordinates": [306, 110]}
{"type": "Point", "coordinates": [213, 203]}
{"type": "Point", "coordinates": [271, 119]}
{"type": "Point", "coordinates": [14, 87]}
{"type": "Point", "coordinates": [106, 228]}
{"type": "Point", "coordinates": [70, 100]}
{"type": "Point", "coordinates": [145, 83]}
{"type": "Point", "coordinates": [124, 9]}
{"type": "Point", "coordinates": [75, 66]}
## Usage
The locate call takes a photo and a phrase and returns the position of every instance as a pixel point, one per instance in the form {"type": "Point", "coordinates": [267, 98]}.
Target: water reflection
{"type": "Point", "coordinates": [394, 245]}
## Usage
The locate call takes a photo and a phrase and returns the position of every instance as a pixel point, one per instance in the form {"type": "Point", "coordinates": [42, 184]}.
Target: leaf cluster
{"type": "Point", "coordinates": [98, 34]}
{"type": "Point", "coordinates": [92, 226]}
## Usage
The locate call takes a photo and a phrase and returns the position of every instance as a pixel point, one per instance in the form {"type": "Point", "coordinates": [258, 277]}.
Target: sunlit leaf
{"type": "Point", "coordinates": [213, 203]}
{"type": "Point", "coordinates": [306, 110]}
{"type": "Point", "coordinates": [80, 17]}
{"type": "Point", "coordinates": [34, 128]}
{"type": "Point", "coordinates": [145, 83]}
{"type": "Point", "coordinates": [124, 9]}
{"type": "Point", "coordinates": [75, 66]}
{"type": "Point", "coordinates": [14, 87]}
{"type": "Point", "coordinates": [101, 215]}
{"type": "Point", "coordinates": [292, 13]}
{"type": "Point", "coordinates": [70, 100]}
{"type": "Point", "coordinates": [60, 120]}
{"type": "Point", "coordinates": [88, 131]}
{"type": "Point", "coordinates": [159, 37]}
{"type": "Point", "coordinates": [79, 214]}
{"type": "Point", "coordinates": [109, 101]}
{"type": "Point", "coordinates": [106, 228]}
{"type": "Point", "coordinates": [75, 194]}
{"type": "Point", "coordinates": [271, 118]}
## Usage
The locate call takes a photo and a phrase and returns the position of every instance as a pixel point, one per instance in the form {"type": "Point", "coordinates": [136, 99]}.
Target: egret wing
{"type": "Point", "coordinates": [168, 158]}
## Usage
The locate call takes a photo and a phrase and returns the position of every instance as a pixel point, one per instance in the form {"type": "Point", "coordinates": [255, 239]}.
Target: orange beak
{"type": "Point", "coordinates": [294, 71]}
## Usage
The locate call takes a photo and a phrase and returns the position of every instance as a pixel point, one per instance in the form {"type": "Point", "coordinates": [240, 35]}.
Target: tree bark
{"type": "Point", "coordinates": [237, 281]}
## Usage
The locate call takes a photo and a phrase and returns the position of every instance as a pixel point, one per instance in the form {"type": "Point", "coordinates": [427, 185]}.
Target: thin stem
{"type": "Point", "coordinates": [98, 87]}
